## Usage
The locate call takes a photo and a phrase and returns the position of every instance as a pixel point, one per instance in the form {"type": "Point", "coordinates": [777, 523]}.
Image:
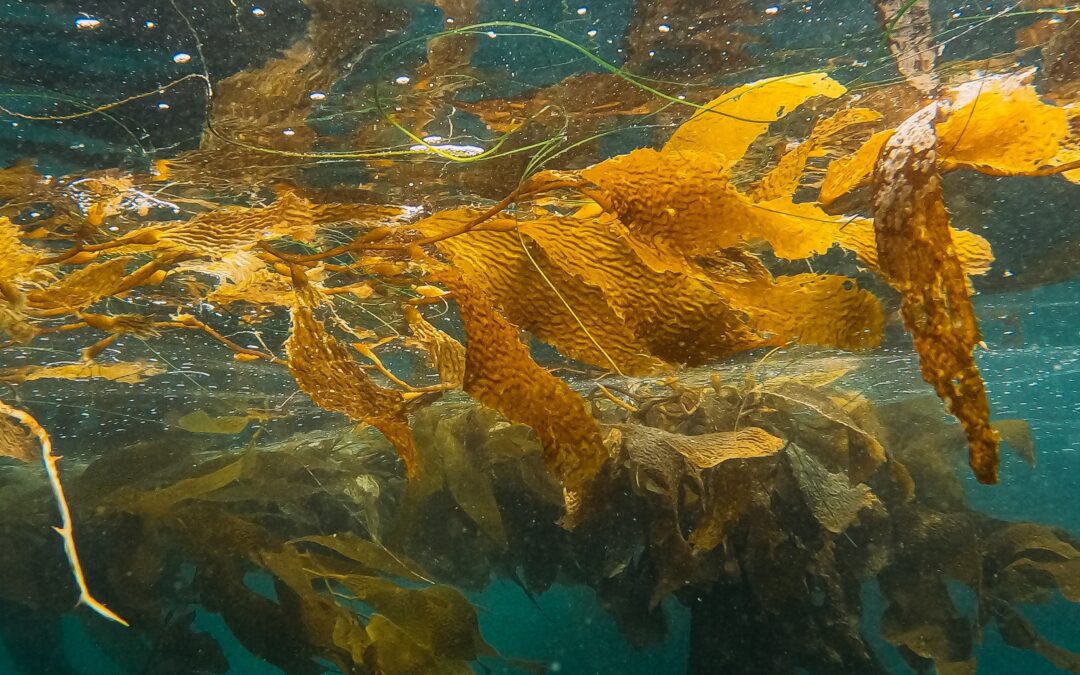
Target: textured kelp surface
{"type": "Point", "coordinates": [397, 324]}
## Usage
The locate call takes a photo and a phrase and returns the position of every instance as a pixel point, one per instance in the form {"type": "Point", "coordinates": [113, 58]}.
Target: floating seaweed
{"type": "Point", "coordinates": [564, 374]}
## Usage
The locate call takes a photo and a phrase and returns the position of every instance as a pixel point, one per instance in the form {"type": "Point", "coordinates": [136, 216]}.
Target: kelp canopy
{"type": "Point", "coordinates": [641, 370]}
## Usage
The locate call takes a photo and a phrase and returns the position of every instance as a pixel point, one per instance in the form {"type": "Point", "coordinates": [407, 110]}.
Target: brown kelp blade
{"type": "Point", "coordinates": [917, 257]}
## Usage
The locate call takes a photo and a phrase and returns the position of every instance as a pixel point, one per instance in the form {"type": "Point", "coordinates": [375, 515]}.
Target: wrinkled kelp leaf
{"type": "Point", "coordinates": [324, 370]}
{"type": "Point", "coordinates": [707, 450]}
{"type": "Point", "coordinates": [500, 374]}
{"type": "Point", "coordinates": [834, 502]}
{"type": "Point", "coordinates": [444, 352]}
{"type": "Point", "coordinates": [16, 442]}
{"type": "Point", "coordinates": [916, 255]}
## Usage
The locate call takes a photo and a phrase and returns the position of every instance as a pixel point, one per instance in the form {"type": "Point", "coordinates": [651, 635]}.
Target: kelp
{"type": "Point", "coordinates": [971, 133]}
{"type": "Point", "coordinates": [619, 455]}
{"type": "Point", "coordinates": [916, 255]}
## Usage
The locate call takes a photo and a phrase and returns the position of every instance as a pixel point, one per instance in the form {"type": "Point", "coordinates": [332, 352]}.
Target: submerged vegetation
{"type": "Point", "coordinates": [559, 363]}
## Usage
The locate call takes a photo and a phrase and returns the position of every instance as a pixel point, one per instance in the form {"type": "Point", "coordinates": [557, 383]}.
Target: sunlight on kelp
{"type": "Point", "coordinates": [403, 326]}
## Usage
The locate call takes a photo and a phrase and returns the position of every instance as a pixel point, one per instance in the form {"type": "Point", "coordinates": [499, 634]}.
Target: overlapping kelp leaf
{"type": "Point", "coordinates": [997, 124]}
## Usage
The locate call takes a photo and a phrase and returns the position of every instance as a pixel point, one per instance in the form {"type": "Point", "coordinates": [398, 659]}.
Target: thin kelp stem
{"type": "Point", "coordinates": [66, 529]}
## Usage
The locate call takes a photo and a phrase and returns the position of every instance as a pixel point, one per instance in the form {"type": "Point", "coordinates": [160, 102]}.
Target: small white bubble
{"type": "Point", "coordinates": [582, 10]}
{"type": "Point", "coordinates": [317, 96]}
{"type": "Point", "coordinates": [87, 23]}
{"type": "Point", "coordinates": [591, 32]}
{"type": "Point", "coordinates": [773, 9]}
{"type": "Point", "coordinates": [664, 28]}
{"type": "Point", "coordinates": [258, 11]}
{"type": "Point", "coordinates": [181, 57]}
{"type": "Point", "coordinates": [402, 79]}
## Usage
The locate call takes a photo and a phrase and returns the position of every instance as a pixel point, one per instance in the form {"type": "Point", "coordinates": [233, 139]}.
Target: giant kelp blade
{"type": "Point", "coordinates": [916, 255]}
{"type": "Point", "coordinates": [540, 297]}
{"type": "Point", "coordinates": [994, 124]}
{"type": "Point", "coordinates": [727, 125]}
{"type": "Point", "coordinates": [324, 371]}
{"type": "Point", "coordinates": [500, 373]}
{"type": "Point", "coordinates": [1000, 125]}
{"type": "Point", "coordinates": [17, 258]}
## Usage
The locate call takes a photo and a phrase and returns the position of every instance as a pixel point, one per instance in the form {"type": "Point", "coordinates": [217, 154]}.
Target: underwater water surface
{"type": "Point", "coordinates": [395, 337]}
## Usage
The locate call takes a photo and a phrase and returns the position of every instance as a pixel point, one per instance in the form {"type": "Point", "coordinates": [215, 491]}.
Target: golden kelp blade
{"type": "Point", "coordinates": [324, 371]}
{"type": "Point", "coordinates": [445, 353]}
{"type": "Point", "coordinates": [706, 450]}
{"type": "Point", "coordinates": [672, 316]}
{"type": "Point", "coordinates": [996, 125]}
{"type": "Point", "coordinates": [495, 264]}
{"type": "Point", "coordinates": [916, 255]}
{"type": "Point", "coordinates": [500, 373]}
{"type": "Point", "coordinates": [16, 442]}
{"type": "Point", "coordinates": [783, 180]}
{"type": "Point", "coordinates": [834, 502]}
{"type": "Point", "coordinates": [201, 422]}
{"type": "Point", "coordinates": [232, 228]}
{"type": "Point", "coordinates": [849, 172]}
{"type": "Point", "coordinates": [15, 257]}
{"type": "Point", "coordinates": [684, 203]}
{"type": "Point", "coordinates": [1000, 126]}
{"type": "Point", "coordinates": [694, 318]}
{"type": "Point", "coordinates": [126, 372]}
{"type": "Point", "coordinates": [262, 287]}
{"type": "Point", "coordinates": [811, 309]}
{"type": "Point", "coordinates": [83, 287]}
{"type": "Point", "coordinates": [727, 125]}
